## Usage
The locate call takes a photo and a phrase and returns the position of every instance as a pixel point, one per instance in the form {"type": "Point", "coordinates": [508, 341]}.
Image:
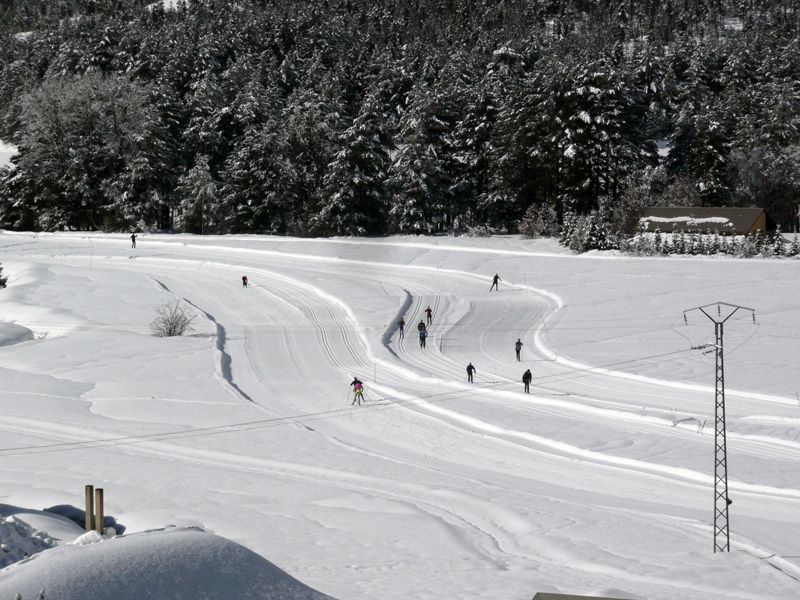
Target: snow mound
{"type": "Point", "coordinates": [160, 564]}
{"type": "Point", "coordinates": [18, 540]}
{"type": "Point", "coordinates": [14, 334]}
{"type": "Point", "coordinates": [56, 526]}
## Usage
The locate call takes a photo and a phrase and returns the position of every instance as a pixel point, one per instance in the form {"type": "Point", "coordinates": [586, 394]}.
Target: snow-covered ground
{"type": "Point", "coordinates": [599, 482]}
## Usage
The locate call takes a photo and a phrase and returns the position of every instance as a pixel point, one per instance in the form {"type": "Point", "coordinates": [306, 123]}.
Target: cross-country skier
{"type": "Point", "coordinates": [401, 326]}
{"type": "Point", "coordinates": [423, 334]}
{"type": "Point", "coordinates": [470, 371]}
{"type": "Point", "coordinates": [421, 325]}
{"type": "Point", "coordinates": [358, 391]}
{"type": "Point", "coordinates": [495, 279]}
{"type": "Point", "coordinates": [244, 280]}
{"type": "Point", "coordinates": [429, 312]}
{"type": "Point", "coordinates": [133, 240]}
{"type": "Point", "coordinates": [518, 348]}
{"type": "Point", "coordinates": [526, 379]}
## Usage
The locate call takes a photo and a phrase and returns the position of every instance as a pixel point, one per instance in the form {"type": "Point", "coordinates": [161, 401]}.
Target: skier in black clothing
{"type": "Point", "coordinates": [470, 371]}
{"type": "Point", "coordinates": [401, 325]}
{"type": "Point", "coordinates": [421, 325]}
{"type": "Point", "coordinates": [429, 312]}
{"type": "Point", "coordinates": [526, 379]}
{"type": "Point", "coordinates": [495, 279]}
{"type": "Point", "coordinates": [423, 334]}
{"type": "Point", "coordinates": [518, 348]}
{"type": "Point", "coordinates": [133, 240]}
{"type": "Point", "coordinates": [244, 280]}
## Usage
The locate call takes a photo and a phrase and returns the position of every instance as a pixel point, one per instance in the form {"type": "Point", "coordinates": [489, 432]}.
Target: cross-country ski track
{"type": "Point", "coordinates": [600, 478]}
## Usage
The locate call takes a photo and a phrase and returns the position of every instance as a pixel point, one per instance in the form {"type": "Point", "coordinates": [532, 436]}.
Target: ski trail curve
{"type": "Point", "coordinates": [225, 361]}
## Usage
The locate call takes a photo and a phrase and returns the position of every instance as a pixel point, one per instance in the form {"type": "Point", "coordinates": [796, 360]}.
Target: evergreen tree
{"type": "Point", "coordinates": [354, 189]}
{"type": "Point", "coordinates": [418, 177]}
{"type": "Point", "coordinates": [199, 198]}
{"type": "Point", "coordinates": [259, 183]}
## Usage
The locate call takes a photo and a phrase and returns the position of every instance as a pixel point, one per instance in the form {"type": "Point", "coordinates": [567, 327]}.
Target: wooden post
{"type": "Point", "coordinates": [89, 519]}
{"type": "Point", "coordinates": [99, 520]}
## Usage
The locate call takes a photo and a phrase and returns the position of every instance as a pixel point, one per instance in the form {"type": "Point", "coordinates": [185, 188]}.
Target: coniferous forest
{"type": "Point", "coordinates": [368, 117]}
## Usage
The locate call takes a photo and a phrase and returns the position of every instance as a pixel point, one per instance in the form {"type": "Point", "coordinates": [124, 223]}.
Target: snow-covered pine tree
{"type": "Point", "coordinates": [746, 247]}
{"type": "Point", "coordinates": [314, 122]}
{"type": "Point", "coordinates": [658, 242]}
{"type": "Point", "coordinates": [259, 183]}
{"type": "Point", "coordinates": [715, 245]}
{"type": "Point", "coordinates": [198, 195]}
{"type": "Point", "coordinates": [776, 243]}
{"type": "Point", "coordinates": [354, 189]}
{"type": "Point", "coordinates": [418, 177]}
{"type": "Point", "coordinates": [794, 247]}
{"type": "Point", "coordinates": [760, 242]}
{"type": "Point", "coordinates": [680, 242]}
{"type": "Point", "coordinates": [204, 131]}
{"type": "Point", "coordinates": [139, 192]}
{"type": "Point", "coordinates": [601, 141]}
{"type": "Point", "coordinates": [472, 143]}
{"type": "Point", "coordinates": [700, 145]}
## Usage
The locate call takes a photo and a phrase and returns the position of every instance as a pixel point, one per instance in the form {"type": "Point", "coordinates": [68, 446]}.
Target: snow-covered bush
{"type": "Point", "coordinates": [479, 231]}
{"type": "Point", "coordinates": [746, 248]}
{"type": "Point", "coordinates": [3, 280]}
{"type": "Point", "coordinates": [794, 248]}
{"type": "Point", "coordinates": [171, 320]}
{"type": "Point", "coordinates": [18, 541]}
{"type": "Point", "coordinates": [539, 220]}
{"type": "Point", "coordinates": [581, 233]}
{"type": "Point", "coordinates": [776, 246]}
{"type": "Point", "coordinates": [641, 244]}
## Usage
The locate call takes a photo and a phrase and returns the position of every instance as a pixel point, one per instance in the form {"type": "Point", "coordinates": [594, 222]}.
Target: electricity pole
{"type": "Point", "coordinates": [721, 500]}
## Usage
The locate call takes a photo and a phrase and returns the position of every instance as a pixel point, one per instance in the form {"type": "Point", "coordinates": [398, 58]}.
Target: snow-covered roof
{"type": "Point", "coordinates": [706, 218]}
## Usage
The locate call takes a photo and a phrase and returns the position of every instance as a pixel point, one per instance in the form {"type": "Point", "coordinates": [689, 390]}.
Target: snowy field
{"type": "Point", "coordinates": [598, 482]}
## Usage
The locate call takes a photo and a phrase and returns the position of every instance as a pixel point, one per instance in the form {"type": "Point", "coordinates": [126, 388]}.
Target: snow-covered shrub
{"type": "Point", "coordinates": [714, 244]}
{"type": "Point", "coordinates": [759, 241]}
{"type": "Point", "coordinates": [18, 541]}
{"type": "Point", "coordinates": [658, 242]}
{"type": "Point", "coordinates": [479, 231]}
{"type": "Point", "coordinates": [776, 246]}
{"type": "Point", "coordinates": [641, 244]}
{"type": "Point", "coordinates": [3, 280]}
{"type": "Point", "coordinates": [581, 233]}
{"type": "Point", "coordinates": [171, 320]}
{"type": "Point", "coordinates": [679, 242]}
{"type": "Point", "coordinates": [794, 248]}
{"type": "Point", "coordinates": [539, 220]}
{"type": "Point", "coordinates": [728, 245]}
{"type": "Point", "coordinates": [746, 247]}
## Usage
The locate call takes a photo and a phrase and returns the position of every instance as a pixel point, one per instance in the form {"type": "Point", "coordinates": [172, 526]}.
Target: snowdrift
{"type": "Point", "coordinates": [159, 564]}
{"type": "Point", "coordinates": [14, 334]}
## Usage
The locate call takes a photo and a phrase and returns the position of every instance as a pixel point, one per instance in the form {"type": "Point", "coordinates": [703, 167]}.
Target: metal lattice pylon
{"type": "Point", "coordinates": [721, 500]}
{"type": "Point", "coordinates": [722, 541]}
